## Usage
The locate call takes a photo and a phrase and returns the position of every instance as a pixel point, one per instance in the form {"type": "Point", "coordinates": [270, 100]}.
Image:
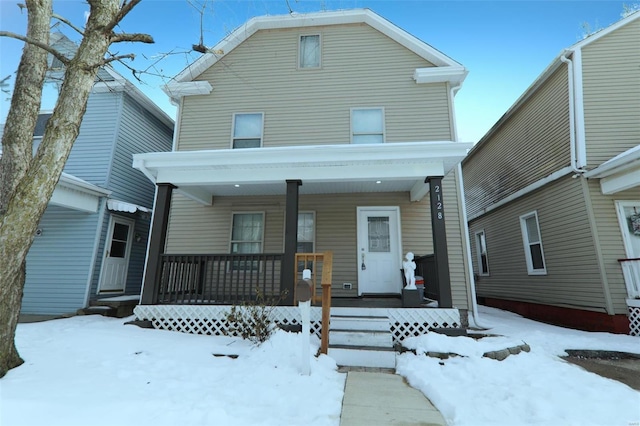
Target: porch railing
{"type": "Point", "coordinates": [218, 278]}
{"type": "Point", "coordinates": [426, 268]}
{"type": "Point", "coordinates": [631, 272]}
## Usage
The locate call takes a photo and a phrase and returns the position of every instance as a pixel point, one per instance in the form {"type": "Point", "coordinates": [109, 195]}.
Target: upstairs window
{"type": "Point", "coordinates": [532, 244]}
{"type": "Point", "coordinates": [247, 130]}
{"type": "Point", "coordinates": [367, 125]}
{"type": "Point", "coordinates": [309, 55]}
{"type": "Point", "coordinates": [481, 252]}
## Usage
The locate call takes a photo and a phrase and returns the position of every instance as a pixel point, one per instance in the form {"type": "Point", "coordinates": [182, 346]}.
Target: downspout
{"type": "Point", "coordinates": [465, 227]}
{"type": "Point", "coordinates": [576, 165]}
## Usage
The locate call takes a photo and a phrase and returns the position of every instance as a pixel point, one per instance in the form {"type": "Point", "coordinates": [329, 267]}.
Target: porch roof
{"type": "Point", "coordinates": [323, 169]}
{"type": "Point", "coordinates": [618, 173]}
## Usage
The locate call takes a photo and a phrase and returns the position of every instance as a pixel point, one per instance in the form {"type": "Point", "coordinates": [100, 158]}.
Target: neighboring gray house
{"type": "Point", "coordinates": [553, 191]}
{"type": "Point", "coordinates": [91, 241]}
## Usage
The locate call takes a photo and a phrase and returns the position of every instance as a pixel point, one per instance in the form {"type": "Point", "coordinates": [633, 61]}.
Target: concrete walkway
{"type": "Point", "coordinates": [372, 398]}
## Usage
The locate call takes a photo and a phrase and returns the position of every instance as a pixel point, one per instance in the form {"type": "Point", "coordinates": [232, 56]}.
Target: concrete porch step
{"type": "Point", "coordinates": [361, 338]}
{"type": "Point", "coordinates": [363, 356]}
{"type": "Point", "coordinates": [359, 322]}
{"type": "Point", "coordinates": [118, 306]}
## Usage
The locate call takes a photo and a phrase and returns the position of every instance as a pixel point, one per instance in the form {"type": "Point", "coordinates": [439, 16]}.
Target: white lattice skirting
{"type": "Point", "coordinates": [210, 319]}
{"type": "Point", "coordinates": [634, 317]}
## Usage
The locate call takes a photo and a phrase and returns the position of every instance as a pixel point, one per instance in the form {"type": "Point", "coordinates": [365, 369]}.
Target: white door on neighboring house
{"type": "Point", "coordinates": [629, 219]}
{"type": "Point", "coordinates": [379, 250]}
{"type": "Point", "coordinates": [113, 277]}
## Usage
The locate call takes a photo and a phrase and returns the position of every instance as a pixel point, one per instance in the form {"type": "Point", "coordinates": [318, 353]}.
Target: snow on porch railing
{"type": "Point", "coordinates": [631, 271]}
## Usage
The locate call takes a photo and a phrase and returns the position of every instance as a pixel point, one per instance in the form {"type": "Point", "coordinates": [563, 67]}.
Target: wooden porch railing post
{"type": "Point", "coordinates": [327, 276]}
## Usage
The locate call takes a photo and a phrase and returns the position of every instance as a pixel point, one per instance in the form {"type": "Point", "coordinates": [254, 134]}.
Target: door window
{"type": "Point", "coordinates": [379, 238]}
{"type": "Point", "coordinates": [119, 240]}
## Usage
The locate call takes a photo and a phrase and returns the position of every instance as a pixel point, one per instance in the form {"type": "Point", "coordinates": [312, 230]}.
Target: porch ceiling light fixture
{"type": "Point", "coordinates": [378, 182]}
{"type": "Point", "coordinates": [236, 185]}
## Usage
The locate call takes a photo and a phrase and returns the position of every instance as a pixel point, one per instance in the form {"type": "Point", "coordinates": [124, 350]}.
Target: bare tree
{"type": "Point", "coordinates": [27, 181]}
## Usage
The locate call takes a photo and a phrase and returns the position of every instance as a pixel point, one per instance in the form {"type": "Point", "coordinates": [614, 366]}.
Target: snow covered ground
{"type": "Point", "coordinates": [93, 370]}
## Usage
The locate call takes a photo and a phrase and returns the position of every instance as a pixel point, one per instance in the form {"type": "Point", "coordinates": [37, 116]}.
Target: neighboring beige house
{"type": "Point", "coordinates": [553, 190]}
{"type": "Point", "coordinates": [308, 133]}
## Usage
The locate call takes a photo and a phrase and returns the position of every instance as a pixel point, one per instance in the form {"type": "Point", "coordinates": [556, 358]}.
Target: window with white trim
{"type": "Point", "coordinates": [481, 253]}
{"type": "Point", "coordinates": [309, 53]}
{"type": "Point", "coordinates": [367, 125]}
{"type": "Point", "coordinates": [247, 130]}
{"type": "Point", "coordinates": [247, 235]}
{"type": "Point", "coordinates": [532, 239]}
{"type": "Point", "coordinates": [306, 236]}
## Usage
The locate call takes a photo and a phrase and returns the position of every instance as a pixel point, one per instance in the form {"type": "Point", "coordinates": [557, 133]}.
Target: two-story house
{"type": "Point", "coordinates": [553, 193]}
{"type": "Point", "coordinates": [330, 131]}
{"type": "Point", "coordinates": [91, 241]}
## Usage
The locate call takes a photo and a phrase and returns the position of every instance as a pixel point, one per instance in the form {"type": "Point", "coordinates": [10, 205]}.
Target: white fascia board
{"type": "Point", "coordinates": [306, 173]}
{"type": "Point", "coordinates": [611, 28]}
{"type": "Point", "coordinates": [452, 74]}
{"type": "Point", "coordinates": [624, 161]}
{"type": "Point", "coordinates": [74, 200]}
{"type": "Point", "coordinates": [177, 90]}
{"type": "Point", "coordinates": [304, 154]}
{"type": "Point", "coordinates": [620, 182]}
{"type": "Point", "coordinates": [77, 184]}
{"type": "Point", "coordinates": [295, 20]}
{"type": "Point", "coordinates": [419, 190]}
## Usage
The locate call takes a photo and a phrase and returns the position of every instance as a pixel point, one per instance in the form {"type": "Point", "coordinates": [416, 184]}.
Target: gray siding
{"type": "Point", "coordinates": [91, 154]}
{"type": "Point", "coordinates": [610, 239]}
{"type": "Point", "coordinates": [194, 228]}
{"type": "Point", "coordinates": [138, 131]}
{"type": "Point", "coordinates": [360, 68]}
{"type": "Point", "coordinates": [59, 261]}
{"type": "Point", "coordinates": [611, 84]}
{"type": "Point", "coordinates": [573, 275]}
{"type": "Point", "coordinates": [533, 143]}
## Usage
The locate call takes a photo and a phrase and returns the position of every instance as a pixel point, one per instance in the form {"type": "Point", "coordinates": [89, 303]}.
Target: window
{"type": "Point", "coordinates": [306, 237]}
{"type": "Point", "coordinates": [367, 125]}
{"type": "Point", "coordinates": [247, 232]}
{"type": "Point", "coordinates": [532, 244]}
{"type": "Point", "coordinates": [309, 54]}
{"type": "Point", "coordinates": [481, 252]}
{"type": "Point", "coordinates": [247, 130]}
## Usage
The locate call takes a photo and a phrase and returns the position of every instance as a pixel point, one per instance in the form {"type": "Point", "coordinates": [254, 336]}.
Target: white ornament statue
{"type": "Point", "coordinates": [410, 272]}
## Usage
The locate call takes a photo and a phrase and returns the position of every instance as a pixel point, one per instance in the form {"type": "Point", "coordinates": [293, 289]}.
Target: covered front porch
{"type": "Point", "coordinates": [415, 169]}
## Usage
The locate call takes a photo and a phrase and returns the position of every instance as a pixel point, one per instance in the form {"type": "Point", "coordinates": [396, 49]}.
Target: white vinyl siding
{"type": "Point", "coordinates": [310, 52]}
{"type": "Point", "coordinates": [367, 125]}
{"type": "Point", "coordinates": [532, 244]}
{"type": "Point", "coordinates": [247, 130]}
{"type": "Point", "coordinates": [481, 253]}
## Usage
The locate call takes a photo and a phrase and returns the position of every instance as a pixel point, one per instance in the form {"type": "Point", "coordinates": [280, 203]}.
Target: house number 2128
{"type": "Point", "coordinates": [439, 215]}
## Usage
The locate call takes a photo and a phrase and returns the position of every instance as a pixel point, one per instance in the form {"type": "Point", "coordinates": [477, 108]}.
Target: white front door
{"type": "Point", "coordinates": [113, 277]}
{"type": "Point", "coordinates": [379, 251]}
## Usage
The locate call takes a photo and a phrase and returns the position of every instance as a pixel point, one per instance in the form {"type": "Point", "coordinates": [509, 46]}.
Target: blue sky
{"type": "Point", "coordinates": [505, 45]}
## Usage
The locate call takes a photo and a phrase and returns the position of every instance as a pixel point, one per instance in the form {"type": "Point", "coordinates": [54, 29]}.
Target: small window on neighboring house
{"type": "Point", "coordinates": [367, 125]}
{"type": "Point", "coordinates": [306, 236]}
{"type": "Point", "coordinates": [247, 130]}
{"type": "Point", "coordinates": [481, 251]}
{"type": "Point", "coordinates": [247, 231]}
{"type": "Point", "coordinates": [309, 54]}
{"type": "Point", "coordinates": [532, 244]}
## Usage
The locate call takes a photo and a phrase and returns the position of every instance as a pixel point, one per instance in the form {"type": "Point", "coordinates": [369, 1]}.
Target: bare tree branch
{"type": "Point", "coordinates": [142, 38]}
{"type": "Point", "coordinates": [66, 21]}
{"type": "Point", "coordinates": [126, 7]}
{"type": "Point", "coordinates": [117, 58]}
{"type": "Point", "coordinates": [43, 46]}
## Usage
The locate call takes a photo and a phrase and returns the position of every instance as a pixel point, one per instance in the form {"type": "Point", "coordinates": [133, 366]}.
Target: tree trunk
{"type": "Point", "coordinates": [28, 183]}
{"type": "Point", "coordinates": [17, 142]}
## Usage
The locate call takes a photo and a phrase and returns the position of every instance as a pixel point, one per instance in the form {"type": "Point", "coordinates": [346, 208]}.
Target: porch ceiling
{"type": "Point", "coordinates": [322, 169]}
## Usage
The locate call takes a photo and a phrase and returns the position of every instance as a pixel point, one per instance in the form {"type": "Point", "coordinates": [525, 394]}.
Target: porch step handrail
{"type": "Point", "coordinates": [312, 261]}
{"type": "Point", "coordinates": [631, 272]}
